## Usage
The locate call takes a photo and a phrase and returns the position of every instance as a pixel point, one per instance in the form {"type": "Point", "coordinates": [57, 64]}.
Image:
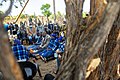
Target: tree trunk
{"type": "Point", "coordinates": [8, 65]}
{"type": "Point", "coordinates": [80, 49]}
{"type": "Point", "coordinates": [109, 55]}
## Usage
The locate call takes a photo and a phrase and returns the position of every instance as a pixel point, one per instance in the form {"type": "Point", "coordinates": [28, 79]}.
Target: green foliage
{"type": "Point", "coordinates": [45, 10]}
{"type": "Point", "coordinates": [23, 16]}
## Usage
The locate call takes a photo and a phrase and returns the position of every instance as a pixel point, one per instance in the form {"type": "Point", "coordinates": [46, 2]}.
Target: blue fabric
{"type": "Point", "coordinates": [34, 47]}
{"type": "Point", "coordinates": [53, 44]}
{"type": "Point", "coordinates": [47, 53]}
{"type": "Point", "coordinates": [53, 35]}
{"type": "Point", "coordinates": [6, 27]}
{"type": "Point", "coordinates": [38, 40]}
{"type": "Point", "coordinates": [20, 52]}
{"type": "Point", "coordinates": [50, 50]}
{"type": "Point", "coordinates": [61, 46]}
{"type": "Point", "coordinates": [17, 41]}
{"type": "Point", "coordinates": [51, 26]}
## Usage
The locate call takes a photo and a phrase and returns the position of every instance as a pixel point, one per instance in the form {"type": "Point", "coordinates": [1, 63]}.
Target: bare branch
{"type": "Point", "coordinates": [9, 9]}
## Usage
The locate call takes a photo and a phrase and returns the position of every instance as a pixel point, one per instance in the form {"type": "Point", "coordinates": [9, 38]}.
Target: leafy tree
{"type": "Point", "coordinates": [45, 10]}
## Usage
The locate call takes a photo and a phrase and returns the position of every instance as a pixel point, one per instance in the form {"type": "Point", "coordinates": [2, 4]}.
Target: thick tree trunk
{"type": "Point", "coordinates": [80, 49]}
{"type": "Point", "coordinates": [109, 55]}
{"type": "Point", "coordinates": [8, 65]}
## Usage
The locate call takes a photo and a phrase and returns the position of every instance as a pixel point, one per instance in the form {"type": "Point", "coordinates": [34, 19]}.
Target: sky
{"type": "Point", "coordinates": [34, 6]}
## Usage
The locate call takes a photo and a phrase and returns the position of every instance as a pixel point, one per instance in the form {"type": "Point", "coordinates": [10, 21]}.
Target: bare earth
{"type": "Point", "coordinates": [49, 67]}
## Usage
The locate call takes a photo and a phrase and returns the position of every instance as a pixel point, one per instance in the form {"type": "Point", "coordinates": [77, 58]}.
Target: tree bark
{"type": "Point", "coordinates": [109, 55]}
{"type": "Point", "coordinates": [8, 65]}
{"type": "Point", "coordinates": [80, 49]}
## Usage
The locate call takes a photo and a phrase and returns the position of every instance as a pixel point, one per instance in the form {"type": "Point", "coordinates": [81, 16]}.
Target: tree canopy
{"type": "Point", "coordinates": [45, 10]}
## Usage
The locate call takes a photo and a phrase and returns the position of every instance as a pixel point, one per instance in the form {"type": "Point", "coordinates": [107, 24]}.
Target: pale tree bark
{"type": "Point", "coordinates": [109, 55]}
{"type": "Point", "coordinates": [8, 66]}
{"type": "Point", "coordinates": [81, 49]}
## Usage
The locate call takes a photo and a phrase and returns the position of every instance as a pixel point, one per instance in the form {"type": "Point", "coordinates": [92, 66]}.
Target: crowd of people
{"type": "Point", "coordinates": [44, 42]}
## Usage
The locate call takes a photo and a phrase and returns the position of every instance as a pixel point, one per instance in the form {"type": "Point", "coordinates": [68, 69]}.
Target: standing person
{"type": "Point", "coordinates": [40, 28]}
{"type": "Point", "coordinates": [31, 30]}
{"type": "Point", "coordinates": [22, 56]}
{"type": "Point", "coordinates": [23, 34]}
{"type": "Point", "coordinates": [51, 26]}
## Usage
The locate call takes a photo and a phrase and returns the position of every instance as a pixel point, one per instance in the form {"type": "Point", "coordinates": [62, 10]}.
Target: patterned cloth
{"type": "Point", "coordinates": [61, 46]}
{"type": "Point", "coordinates": [53, 45]}
{"type": "Point", "coordinates": [50, 50]}
{"type": "Point", "coordinates": [20, 52]}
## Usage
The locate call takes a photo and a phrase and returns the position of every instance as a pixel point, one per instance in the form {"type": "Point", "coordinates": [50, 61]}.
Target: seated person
{"type": "Point", "coordinates": [36, 45]}
{"type": "Point", "coordinates": [28, 68]}
{"type": "Point", "coordinates": [51, 48]}
{"type": "Point", "coordinates": [45, 40]}
{"type": "Point", "coordinates": [44, 43]}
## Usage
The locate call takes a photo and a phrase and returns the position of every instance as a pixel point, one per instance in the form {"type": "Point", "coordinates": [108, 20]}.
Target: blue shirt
{"type": "Point", "coordinates": [53, 44]}
{"type": "Point", "coordinates": [20, 52]}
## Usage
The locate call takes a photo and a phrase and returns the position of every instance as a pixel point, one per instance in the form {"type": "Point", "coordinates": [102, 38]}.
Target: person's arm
{"type": "Point", "coordinates": [46, 44]}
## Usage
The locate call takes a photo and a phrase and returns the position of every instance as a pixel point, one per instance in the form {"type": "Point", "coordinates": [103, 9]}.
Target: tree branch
{"type": "Point", "coordinates": [7, 12]}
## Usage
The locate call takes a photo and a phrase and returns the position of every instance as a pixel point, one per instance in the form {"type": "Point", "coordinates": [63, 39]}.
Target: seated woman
{"type": "Point", "coordinates": [28, 68]}
{"type": "Point", "coordinates": [51, 48]}
{"type": "Point", "coordinates": [38, 39]}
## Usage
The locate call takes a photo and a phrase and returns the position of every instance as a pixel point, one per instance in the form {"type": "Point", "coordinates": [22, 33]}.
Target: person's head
{"type": "Point", "coordinates": [49, 77]}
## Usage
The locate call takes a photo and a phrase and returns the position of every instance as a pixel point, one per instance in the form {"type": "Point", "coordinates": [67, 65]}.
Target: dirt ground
{"type": "Point", "coordinates": [49, 67]}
